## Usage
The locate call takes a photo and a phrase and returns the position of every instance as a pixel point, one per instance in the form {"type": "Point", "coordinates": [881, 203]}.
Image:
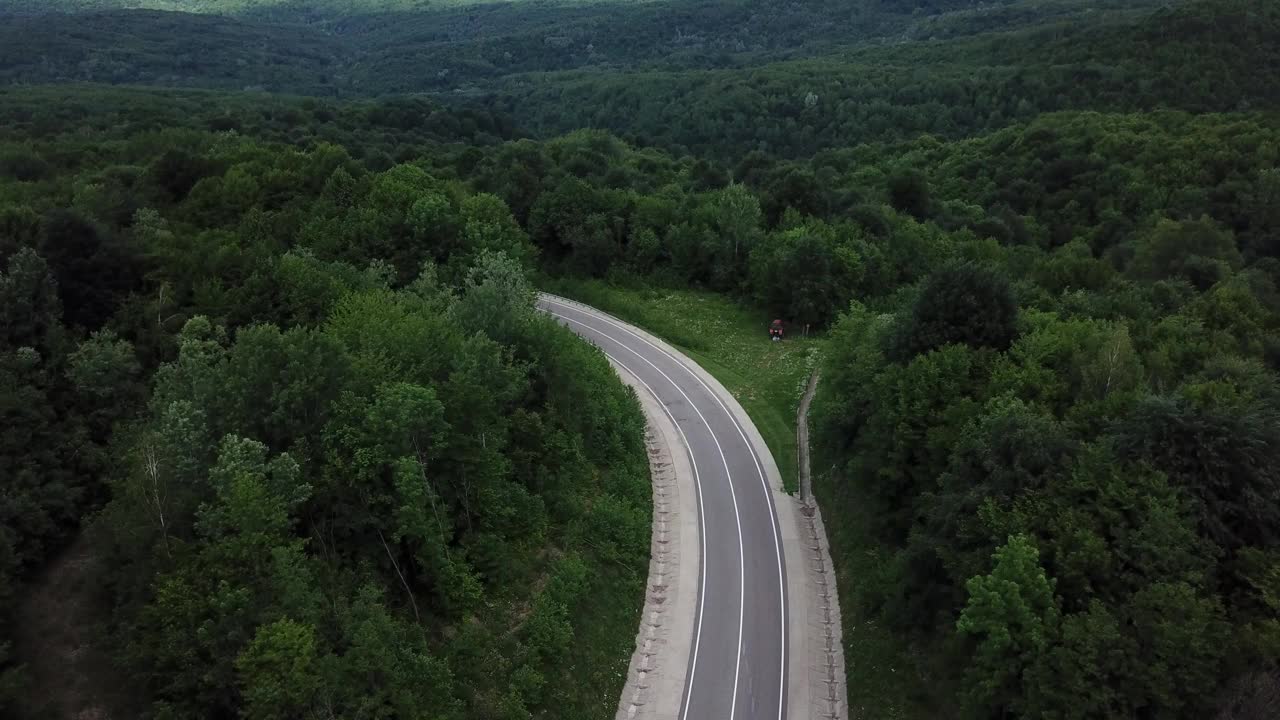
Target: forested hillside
{"type": "Point", "coordinates": [1206, 56]}
{"type": "Point", "coordinates": [1057, 446]}
{"type": "Point", "coordinates": [360, 52]}
{"type": "Point", "coordinates": [351, 468]}
{"type": "Point", "coordinates": [226, 7]}
{"type": "Point", "coordinates": [713, 79]}
{"type": "Point", "coordinates": [273, 358]}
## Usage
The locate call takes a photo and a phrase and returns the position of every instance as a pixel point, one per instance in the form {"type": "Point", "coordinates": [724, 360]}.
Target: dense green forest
{"type": "Point", "coordinates": [1082, 388]}
{"type": "Point", "coordinates": [717, 80]}
{"type": "Point", "coordinates": [1209, 56]}
{"type": "Point", "coordinates": [275, 357]}
{"type": "Point", "coordinates": [351, 468]}
{"type": "Point", "coordinates": [480, 48]}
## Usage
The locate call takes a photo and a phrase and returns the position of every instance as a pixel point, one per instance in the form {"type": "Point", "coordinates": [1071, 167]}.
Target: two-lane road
{"type": "Point", "coordinates": [738, 663]}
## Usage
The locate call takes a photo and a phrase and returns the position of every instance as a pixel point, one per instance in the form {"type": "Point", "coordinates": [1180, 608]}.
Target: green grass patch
{"type": "Point", "coordinates": [727, 339]}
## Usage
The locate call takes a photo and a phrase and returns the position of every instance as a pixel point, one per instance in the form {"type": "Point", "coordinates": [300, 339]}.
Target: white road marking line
{"type": "Point", "coordinates": [742, 574]}
{"type": "Point", "coordinates": [777, 544]}
{"type": "Point", "coordinates": [697, 483]}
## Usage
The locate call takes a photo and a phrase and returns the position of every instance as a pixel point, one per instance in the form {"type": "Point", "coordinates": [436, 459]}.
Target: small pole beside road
{"type": "Point", "coordinates": [802, 439]}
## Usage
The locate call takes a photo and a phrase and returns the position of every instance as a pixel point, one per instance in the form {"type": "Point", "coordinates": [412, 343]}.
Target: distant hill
{"type": "Point", "coordinates": [332, 8]}
{"type": "Point", "coordinates": [224, 7]}
{"type": "Point", "coordinates": [706, 76]}
{"type": "Point", "coordinates": [1207, 56]}
{"type": "Point", "coordinates": [227, 7]}
{"type": "Point", "coordinates": [393, 46]}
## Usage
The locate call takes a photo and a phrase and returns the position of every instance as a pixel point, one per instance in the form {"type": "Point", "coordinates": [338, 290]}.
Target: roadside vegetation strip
{"type": "Point", "coordinates": [828, 662]}
{"type": "Point", "coordinates": [729, 341]}
{"type": "Point", "coordinates": [802, 440]}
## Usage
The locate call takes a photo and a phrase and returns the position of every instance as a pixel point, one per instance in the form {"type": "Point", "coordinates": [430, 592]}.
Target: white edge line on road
{"type": "Point", "coordinates": [742, 571]}
{"type": "Point", "coordinates": [777, 545]}
{"type": "Point", "coordinates": [697, 484]}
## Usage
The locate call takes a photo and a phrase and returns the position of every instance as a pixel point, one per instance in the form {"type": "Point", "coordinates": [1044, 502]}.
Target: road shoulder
{"type": "Point", "coordinates": [660, 663]}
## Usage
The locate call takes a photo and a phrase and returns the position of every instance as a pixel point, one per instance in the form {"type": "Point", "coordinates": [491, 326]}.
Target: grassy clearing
{"type": "Point", "coordinates": [730, 342]}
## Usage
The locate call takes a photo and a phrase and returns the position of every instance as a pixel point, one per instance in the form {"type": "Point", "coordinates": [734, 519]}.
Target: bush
{"type": "Point", "coordinates": [961, 303]}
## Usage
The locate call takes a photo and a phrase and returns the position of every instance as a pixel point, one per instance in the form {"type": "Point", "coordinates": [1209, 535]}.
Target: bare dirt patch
{"type": "Point", "coordinates": [58, 638]}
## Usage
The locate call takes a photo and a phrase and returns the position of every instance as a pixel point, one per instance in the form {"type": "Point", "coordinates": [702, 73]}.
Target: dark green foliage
{"type": "Point", "coordinates": [961, 303]}
{"type": "Point", "coordinates": [1021, 393]}
{"type": "Point", "coordinates": [1221, 452]}
{"type": "Point", "coordinates": [23, 165]}
{"type": "Point", "coordinates": [381, 46]}
{"type": "Point", "coordinates": [801, 275]}
{"type": "Point", "coordinates": [384, 449]}
{"type": "Point", "coordinates": [177, 171]}
{"type": "Point", "coordinates": [58, 404]}
{"type": "Point", "coordinates": [909, 193]}
{"type": "Point", "coordinates": [93, 268]}
{"type": "Point", "coordinates": [622, 67]}
{"type": "Point", "coordinates": [1190, 58]}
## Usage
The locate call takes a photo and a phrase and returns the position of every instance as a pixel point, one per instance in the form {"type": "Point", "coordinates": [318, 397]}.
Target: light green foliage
{"type": "Point", "coordinates": [1112, 366]}
{"type": "Point", "coordinates": [1233, 317]}
{"type": "Point", "coordinates": [255, 497]}
{"type": "Point", "coordinates": [489, 227]}
{"type": "Point", "coordinates": [733, 215]}
{"type": "Point", "coordinates": [1073, 267]}
{"type": "Point", "coordinates": [278, 671]}
{"type": "Point", "coordinates": [1013, 614]}
{"type": "Point", "coordinates": [496, 299]}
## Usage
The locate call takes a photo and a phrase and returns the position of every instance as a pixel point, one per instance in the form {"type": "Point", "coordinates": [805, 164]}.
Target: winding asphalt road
{"type": "Point", "coordinates": [738, 663]}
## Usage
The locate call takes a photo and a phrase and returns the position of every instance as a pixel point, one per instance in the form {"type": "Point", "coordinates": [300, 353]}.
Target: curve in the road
{"type": "Point", "coordinates": [738, 663]}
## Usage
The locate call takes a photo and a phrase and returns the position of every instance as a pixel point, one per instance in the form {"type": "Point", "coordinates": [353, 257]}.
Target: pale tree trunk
{"type": "Point", "coordinates": [431, 494]}
{"type": "Point", "coordinates": [395, 564]}
{"type": "Point", "coordinates": [156, 497]}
